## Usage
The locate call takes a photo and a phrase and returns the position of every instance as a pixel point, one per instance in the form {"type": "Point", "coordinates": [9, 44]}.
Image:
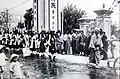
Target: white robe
{"type": "Point", "coordinates": [36, 44]}
{"type": "Point", "coordinates": [2, 59]}
{"type": "Point", "coordinates": [95, 41]}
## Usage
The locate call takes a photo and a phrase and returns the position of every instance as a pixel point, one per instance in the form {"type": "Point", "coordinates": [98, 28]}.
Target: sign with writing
{"type": "Point", "coordinates": [53, 14]}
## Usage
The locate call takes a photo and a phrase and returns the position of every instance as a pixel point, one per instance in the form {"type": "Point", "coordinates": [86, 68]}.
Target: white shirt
{"type": "Point", "coordinates": [15, 68]}
{"type": "Point", "coordinates": [95, 40]}
{"type": "Point", "coordinates": [0, 37]}
{"type": "Point", "coordinates": [2, 59]}
{"type": "Point", "coordinates": [65, 37]}
{"type": "Point", "coordinates": [70, 36]}
{"type": "Point", "coordinates": [112, 39]}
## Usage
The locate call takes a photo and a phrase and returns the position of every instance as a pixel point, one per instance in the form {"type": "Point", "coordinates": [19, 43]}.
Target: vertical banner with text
{"type": "Point", "coordinates": [53, 15]}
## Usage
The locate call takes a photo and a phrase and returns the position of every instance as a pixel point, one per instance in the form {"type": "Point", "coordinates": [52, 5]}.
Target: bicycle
{"type": "Point", "coordinates": [116, 63]}
{"type": "Point", "coordinates": [116, 66]}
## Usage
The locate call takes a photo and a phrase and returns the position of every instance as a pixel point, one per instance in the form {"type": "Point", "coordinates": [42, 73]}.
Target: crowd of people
{"type": "Point", "coordinates": [94, 45]}
{"type": "Point", "coordinates": [71, 42]}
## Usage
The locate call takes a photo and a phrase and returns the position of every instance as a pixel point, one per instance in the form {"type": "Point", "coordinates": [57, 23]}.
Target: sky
{"type": "Point", "coordinates": [91, 5]}
{"type": "Point", "coordinates": [88, 5]}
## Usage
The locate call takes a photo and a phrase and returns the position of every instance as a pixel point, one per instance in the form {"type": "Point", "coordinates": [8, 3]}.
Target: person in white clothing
{"type": "Point", "coordinates": [65, 37]}
{"type": "Point", "coordinates": [113, 45]}
{"type": "Point", "coordinates": [95, 46]}
{"type": "Point", "coordinates": [15, 67]}
{"type": "Point", "coordinates": [2, 61]}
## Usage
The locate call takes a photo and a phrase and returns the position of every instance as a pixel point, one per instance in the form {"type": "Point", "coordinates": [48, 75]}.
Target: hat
{"type": "Point", "coordinates": [97, 29]}
{"type": "Point", "coordinates": [13, 55]}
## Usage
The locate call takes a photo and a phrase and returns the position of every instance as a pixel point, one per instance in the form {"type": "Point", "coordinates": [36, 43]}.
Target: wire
{"type": "Point", "coordinates": [107, 12]}
{"type": "Point", "coordinates": [112, 4]}
{"type": "Point", "coordinates": [18, 5]}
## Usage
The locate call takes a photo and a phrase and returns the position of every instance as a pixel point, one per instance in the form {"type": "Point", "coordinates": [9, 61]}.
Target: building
{"type": "Point", "coordinates": [47, 15]}
{"type": "Point", "coordinates": [86, 24]}
{"type": "Point", "coordinates": [103, 20]}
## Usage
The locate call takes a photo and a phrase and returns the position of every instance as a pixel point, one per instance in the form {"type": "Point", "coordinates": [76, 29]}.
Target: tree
{"type": "Point", "coordinates": [5, 20]}
{"type": "Point", "coordinates": [5, 17]}
{"type": "Point", "coordinates": [71, 15]}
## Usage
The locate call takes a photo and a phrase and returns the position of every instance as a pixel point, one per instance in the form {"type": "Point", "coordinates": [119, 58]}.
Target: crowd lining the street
{"type": "Point", "coordinates": [93, 44]}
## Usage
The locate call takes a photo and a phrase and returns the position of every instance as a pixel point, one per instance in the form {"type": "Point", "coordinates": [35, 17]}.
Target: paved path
{"type": "Point", "coordinates": [85, 60]}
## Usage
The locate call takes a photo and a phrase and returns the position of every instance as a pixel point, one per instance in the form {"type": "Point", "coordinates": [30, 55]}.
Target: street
{"type": "Point", "coordinates": [44, 69]}
{"type": "Point", "coordinates": [65, 67]}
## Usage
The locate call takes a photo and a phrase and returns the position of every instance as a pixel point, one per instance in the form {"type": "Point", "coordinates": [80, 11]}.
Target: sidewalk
{"type": "Point", "coordinates": [74, 59]}
{"type": "Point", "coordinates": [79, 59]}
{"type": "Point", "coordinates": [85, 60]}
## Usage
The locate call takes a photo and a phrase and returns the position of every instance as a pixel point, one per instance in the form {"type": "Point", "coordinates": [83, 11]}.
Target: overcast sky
{"type": "Point", "coordinates": [88, 5]}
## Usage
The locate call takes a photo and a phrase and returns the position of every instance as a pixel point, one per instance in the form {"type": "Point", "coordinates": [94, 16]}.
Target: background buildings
{"type": "Point", "coordinates": [48, 15]}
{"type": "Point", "coordinates": [102, 21]}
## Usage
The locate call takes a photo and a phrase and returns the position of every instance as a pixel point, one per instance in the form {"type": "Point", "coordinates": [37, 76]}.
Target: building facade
{"type": "Point", "coordinates": [48, 15]}
{"type": "Point", "coordinates": [86, 24]}
{"type": "Point", "coordinates": [103, 20]}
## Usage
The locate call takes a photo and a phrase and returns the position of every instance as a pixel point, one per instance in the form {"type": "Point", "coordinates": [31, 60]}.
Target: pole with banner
{"type": "Point", "coordinates": [53, 15]}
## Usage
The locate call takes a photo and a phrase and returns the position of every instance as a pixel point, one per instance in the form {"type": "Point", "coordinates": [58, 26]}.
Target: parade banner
{"type": "Point", "coordinates": [53, 14]}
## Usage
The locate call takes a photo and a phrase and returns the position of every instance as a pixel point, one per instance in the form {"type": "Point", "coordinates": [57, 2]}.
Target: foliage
{"type": "Point", "coordinates": [71, 15]}
{"type": "Point", "coordinates": [5, 17]}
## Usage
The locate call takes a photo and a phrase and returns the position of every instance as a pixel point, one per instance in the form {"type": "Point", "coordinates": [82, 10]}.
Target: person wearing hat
{"type": "Point", "coordinates": [95, 45]}
{"type": "Point", "coordinates": [2, 61]}
{"type": "Point", "coordinates": [15, 67]}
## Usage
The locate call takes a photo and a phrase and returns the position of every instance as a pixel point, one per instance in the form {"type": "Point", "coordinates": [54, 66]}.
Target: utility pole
{"type": "Point", "coordinates": [7, 25]}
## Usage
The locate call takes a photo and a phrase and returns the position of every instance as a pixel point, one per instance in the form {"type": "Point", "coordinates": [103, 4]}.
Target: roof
{"type": "Point", "coordinates": [86, 19]}
{"type": "Point", "coordinates": [103, 11]}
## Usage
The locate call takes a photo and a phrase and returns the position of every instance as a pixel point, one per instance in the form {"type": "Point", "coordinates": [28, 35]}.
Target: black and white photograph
{"type": "Point", "coordinates": [59, 39]}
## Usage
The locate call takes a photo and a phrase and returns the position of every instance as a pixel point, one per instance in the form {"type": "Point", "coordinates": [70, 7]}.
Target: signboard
{"type": "Point", "coordinates": [53, 14]}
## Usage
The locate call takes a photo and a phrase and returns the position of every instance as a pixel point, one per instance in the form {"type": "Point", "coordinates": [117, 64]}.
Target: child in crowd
{"type": "Point", "coordinates": [15, 67]}
{"type": "Point", "coordinates": [2, 61]}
